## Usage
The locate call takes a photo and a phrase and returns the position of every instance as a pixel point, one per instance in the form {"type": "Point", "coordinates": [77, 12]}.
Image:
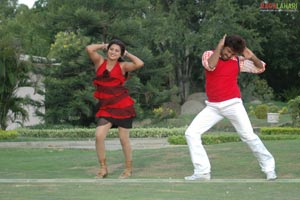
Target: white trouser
{"type": "Point", "coordinates": [234, 110]}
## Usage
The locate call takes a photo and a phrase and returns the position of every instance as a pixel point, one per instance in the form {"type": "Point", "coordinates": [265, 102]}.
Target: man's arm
{"type": "Point", "coordinates": [250, 63]}
{"type": "Point", "coordinates": [248, 54]}
{"type": "Point", "coordinates": [214, 58]}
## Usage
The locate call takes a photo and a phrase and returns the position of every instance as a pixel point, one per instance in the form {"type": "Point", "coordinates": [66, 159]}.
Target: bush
{"type": "Point", "coordinates": [261, 111]}
{"type": "Point", "coordinates": [4, 135]}
{"type": "Point", "coordinates": [290, 93]}
{"type": "Point", "coordinates": [284, 110]}
{"type": "Point", "coordinates": [279, 131]}
{"type": "Point", "coordinates": [163, 113]}
{"type": "Point", "coordinates": [294, 109]}
{"type": "Point", "coordinates": [90, 132]}
{"type": "Point", "coordinates": [177, 139]}
{"type": "Point", "coordinates": [266, 133]}
{"type": "Point", "coordinates": [262, 90]}
{"type": "Point", "coordinates": [175, 135]}
{"type": "Point", "coordinates": [273, 109]}
{"type": "Point", "coordinates": [207, 139]}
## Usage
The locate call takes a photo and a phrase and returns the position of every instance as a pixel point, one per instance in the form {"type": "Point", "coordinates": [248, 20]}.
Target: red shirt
{"type": "Point", "coordinates": [221, 84]}
{"type": "Point", "coordinates": [221, 81]}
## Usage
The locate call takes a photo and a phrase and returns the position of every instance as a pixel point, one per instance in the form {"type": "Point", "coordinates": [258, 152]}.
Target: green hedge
{"type": "Point", "coordinates": [279, 131]}
{"type": "Point", "coordinates": [175, 135]}
{"type": "Point", "coordinates": [4, 135]}
{"type": "Point", "coordinates": [90, 132]}
{"type": "Point", "coordinates": [265, 133]}
{"type": "Point", "coordinates": [57, 133]}
{"type": "Point", "coordinates": [224, 138]}
{"type": "Point", "coordinates": [206, 139]}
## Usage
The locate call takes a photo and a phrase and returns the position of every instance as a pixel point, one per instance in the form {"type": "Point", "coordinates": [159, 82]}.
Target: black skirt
{"type": "Point", "coordinates": [124, 123]}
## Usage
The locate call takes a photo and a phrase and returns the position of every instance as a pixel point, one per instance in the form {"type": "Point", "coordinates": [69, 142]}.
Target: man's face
{"type": "Point", "coordinates": [227, 53]}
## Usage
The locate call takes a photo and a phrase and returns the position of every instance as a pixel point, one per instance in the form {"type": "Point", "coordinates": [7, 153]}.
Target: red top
{"type": "Point", "coordinates": [114, 100]}
{"type": "Point", "coordinates": [221, 83]}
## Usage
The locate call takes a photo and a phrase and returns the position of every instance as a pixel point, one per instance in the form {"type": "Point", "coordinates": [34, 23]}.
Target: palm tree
{"type": "Point", "coordinates": [13, 74]}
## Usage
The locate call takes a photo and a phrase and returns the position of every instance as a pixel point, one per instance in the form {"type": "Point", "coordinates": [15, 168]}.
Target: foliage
{"type": "Point", "coordinates": [294, 110]}
{"type": "Point", "coordinates": [169, 36]}
{"type": "Point", "coordinates": [163, 113]}
{"type": "Point", "coordinates": [266, 133]}
{"type": "Point", "coordinates": [257, 89]}
{"type": "Point", "coordinates": [90, 132]}
{"type": "Point", "coordinates": [67, 45]}
{"type": "Point", "coordinates": [280, 49]}
{"type": "Point", "coordinates": [261, 111]}
{"type": "Point", "coordinates": [290, 93]}
{"type": "Point", "coordinates": [174, 135]}
{"type": "Point", "coordinates": [67, 83]}
{"type": "Point", "coordinates": [14, 73]}
{"type": "Point", "coordinates": [225, 138]}
{"type": "Point", "coordinates": [207, 139]}
{"type": "Point", "coordinates": [280, 131]}
{"type": "Point", "coordinates": [273, 109]}
{"type": "Point", "coordinates": [284, 110]}
{"type": "Point", "coordinates": [4, 135]}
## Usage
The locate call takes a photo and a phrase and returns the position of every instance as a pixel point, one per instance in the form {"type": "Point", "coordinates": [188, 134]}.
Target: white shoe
{"type": "Point", "coordinates": [271, 175]}
{"type": "Point", "coordinates": [195, 177]}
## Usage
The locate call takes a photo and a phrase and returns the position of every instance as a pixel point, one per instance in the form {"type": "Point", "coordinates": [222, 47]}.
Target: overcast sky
{"type": "Point", "coordinates": [29, 3]}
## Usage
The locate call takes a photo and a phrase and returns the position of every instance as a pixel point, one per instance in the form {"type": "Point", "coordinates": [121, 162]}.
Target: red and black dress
{"type": "Point", "coordinates": [115, 105]}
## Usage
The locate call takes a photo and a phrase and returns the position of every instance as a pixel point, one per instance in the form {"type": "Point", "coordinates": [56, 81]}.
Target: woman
{"type": "Point", "coordinates": [115, 107]}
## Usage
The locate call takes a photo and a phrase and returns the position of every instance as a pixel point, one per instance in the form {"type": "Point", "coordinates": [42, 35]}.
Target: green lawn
{"type": "Point", "coordinates": [235, 174]}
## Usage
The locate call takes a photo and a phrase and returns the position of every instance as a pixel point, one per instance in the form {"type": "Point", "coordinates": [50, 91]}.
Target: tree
{"type": "Point", "coordinates": [170, 37]}
{"type": "Point", "coordinates": [69, 86]}
{"type": "Point", "coordinates": [13, 72]}
{"type": "Point", "coordinates": [68, 93]}
{"type": "Point", "coordinates": [281, 51]}
{"type": "Point", "coordinates": [179, 38]}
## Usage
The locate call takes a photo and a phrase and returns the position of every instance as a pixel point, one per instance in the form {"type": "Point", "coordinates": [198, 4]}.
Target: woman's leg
{"type": "Point", "coordinates": [101, 132]}
{"type": "Point", "coordinates": [126, 146]}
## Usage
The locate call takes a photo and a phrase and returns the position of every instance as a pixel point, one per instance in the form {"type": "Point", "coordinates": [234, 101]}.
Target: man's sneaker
{"type": "Point", "coordinates": [271, 175]}
{"type": "Point", "coordinates": [196, 177]}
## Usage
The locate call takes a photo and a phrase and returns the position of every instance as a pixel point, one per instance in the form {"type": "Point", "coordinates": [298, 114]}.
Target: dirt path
{"type": "Point", "coordinates": [111, 144]}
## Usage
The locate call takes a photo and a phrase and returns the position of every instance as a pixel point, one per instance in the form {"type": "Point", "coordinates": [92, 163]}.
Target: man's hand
{"type": "Point", "coordinates": [221, 43]}
{"type": "Point", "coordinates": [248, 54]}
{"type": "Point", "coordinates": [213, 59]}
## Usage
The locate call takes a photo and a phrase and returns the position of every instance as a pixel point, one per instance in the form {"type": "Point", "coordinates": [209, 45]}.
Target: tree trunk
{"type": "Point", "coordinates": [183, 77]}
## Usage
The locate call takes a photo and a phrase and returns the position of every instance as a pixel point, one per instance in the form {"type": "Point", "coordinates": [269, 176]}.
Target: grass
{"type": "Point", "coordinates": [229, 161]}
{"type": "Point", "coordinates": [151, 191]}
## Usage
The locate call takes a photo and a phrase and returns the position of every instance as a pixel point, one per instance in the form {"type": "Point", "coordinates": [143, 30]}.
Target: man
{"type": "Point", "coordinates": [222, 67]}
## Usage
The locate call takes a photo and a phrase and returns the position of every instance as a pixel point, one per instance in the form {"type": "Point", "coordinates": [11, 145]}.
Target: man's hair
{"type": "Point", "coordinates": [236, 43]}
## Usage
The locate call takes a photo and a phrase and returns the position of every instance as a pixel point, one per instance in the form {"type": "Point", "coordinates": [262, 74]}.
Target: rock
{"type": "Point", "coordinates": [200, 96]}
{"type": "Point", "coordinates": [194, 103]}
{"type": "Point", "coordinates": [192, 107]}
